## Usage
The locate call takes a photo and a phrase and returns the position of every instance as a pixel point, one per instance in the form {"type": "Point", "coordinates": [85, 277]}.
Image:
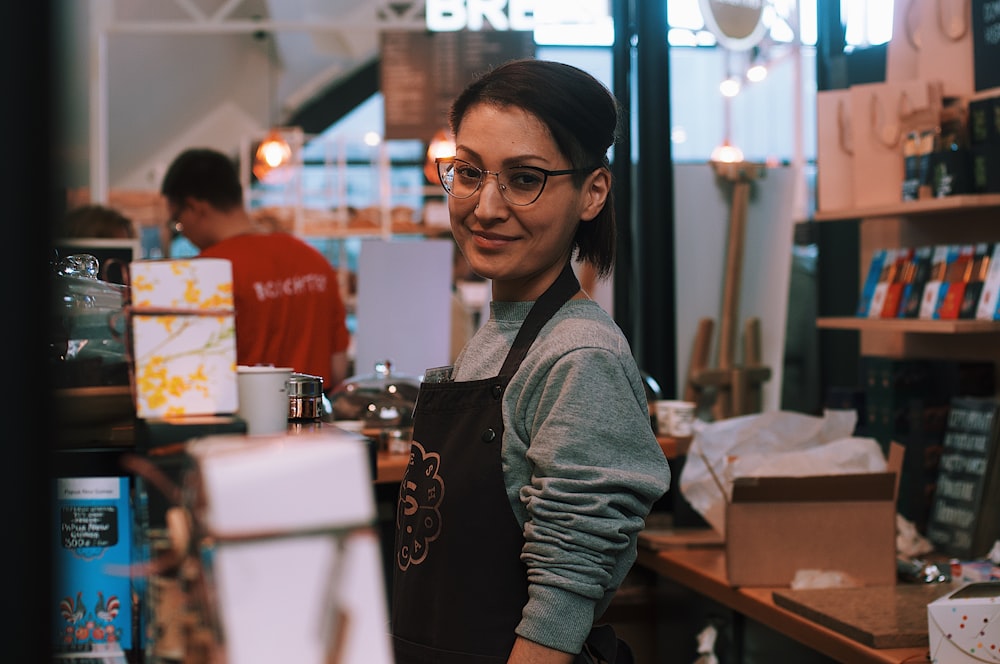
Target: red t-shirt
{"type": "Point", "coordinates": [289, 312]}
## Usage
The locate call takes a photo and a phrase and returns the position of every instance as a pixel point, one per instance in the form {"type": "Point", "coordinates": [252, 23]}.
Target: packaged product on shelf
{"type": "Point", "coordinates": [937, 285]}
{"type": "Point", "coordinates": [985, 167]}
{"type": "Point", "coordinates": [917, 149]}
{"type": "Point", "coordinates": [951, 161]}
{"type": "Point", "coordinates": [886, 288]}
{"type": "Point", "coordinates": [977, 277]}
{"type": "Point", "coordinates": [878, 261]}
{"type": "Point", "coordinates": [957, 277]}
{"type": "Point", "coordinates": [899, 272]}
{"type": "Point", "coordinates": [913, 291]}
{"type": "Point", "coordinates": [987, 308]}
{"type": "Point", "coordinates": [984, 120]}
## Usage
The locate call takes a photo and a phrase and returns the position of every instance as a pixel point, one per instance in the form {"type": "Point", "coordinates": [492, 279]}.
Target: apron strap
{"type": "Point", "coordinates": [562, 289]}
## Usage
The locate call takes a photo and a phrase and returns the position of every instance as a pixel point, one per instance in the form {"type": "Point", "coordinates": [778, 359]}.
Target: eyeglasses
{"type": "Point", "coordinates": [519, 185]}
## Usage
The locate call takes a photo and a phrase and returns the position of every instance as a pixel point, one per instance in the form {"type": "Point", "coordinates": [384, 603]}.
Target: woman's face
{"type": "Point", "coordinates": [521, 248]}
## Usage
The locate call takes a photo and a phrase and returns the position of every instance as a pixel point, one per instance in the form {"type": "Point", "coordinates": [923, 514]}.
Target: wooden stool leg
{"type": "Point", "coordinates": [751, 358]}
{"type": "Point", "coordinates": [701, 348]}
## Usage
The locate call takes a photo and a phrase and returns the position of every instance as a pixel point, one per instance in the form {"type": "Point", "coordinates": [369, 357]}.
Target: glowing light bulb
{"type": "Point", "coordinates": [729, 87]}
{"type": "Point", "coordinates": [757, 73]}
{"type": "Point", "coordinates": [727, 153]}
{"type": "Point", "coordinates": [273, 152]}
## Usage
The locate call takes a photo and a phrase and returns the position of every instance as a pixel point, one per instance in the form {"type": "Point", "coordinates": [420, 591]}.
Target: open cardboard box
{"type": "Point", "coordinates": [776, 526]}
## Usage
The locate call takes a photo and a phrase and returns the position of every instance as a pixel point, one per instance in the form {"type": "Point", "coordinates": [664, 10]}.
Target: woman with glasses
{"type": "Point", "coordinates": [533, 463]}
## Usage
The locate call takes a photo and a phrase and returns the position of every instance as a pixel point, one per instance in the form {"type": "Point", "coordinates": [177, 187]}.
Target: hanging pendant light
{"type": "Point", "coordinates": [272, 153]}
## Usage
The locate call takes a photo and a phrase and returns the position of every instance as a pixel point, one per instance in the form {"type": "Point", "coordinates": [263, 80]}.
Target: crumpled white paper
{"type": "Point", "coordinates": [775, 443]}
{"type": "Point", "coordinates": [706, 646]}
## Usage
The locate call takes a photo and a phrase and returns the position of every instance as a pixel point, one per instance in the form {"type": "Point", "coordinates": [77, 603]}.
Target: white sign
{"type": "Point", "coordinates": [453, 15]}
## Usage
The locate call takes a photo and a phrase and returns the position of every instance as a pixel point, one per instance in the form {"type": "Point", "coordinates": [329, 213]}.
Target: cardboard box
{"type": "Point", "coordinates": [962, 626]}
{"type": "Point", "coordinates": [776, 526]}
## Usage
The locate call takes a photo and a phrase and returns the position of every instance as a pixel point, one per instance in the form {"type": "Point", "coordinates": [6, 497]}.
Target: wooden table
{"type": "Point", "coordinates": [704, 571]}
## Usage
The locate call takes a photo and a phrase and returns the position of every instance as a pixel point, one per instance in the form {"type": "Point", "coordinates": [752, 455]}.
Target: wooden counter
{"type": "Point", "coordinates": [392, 465]}
{"type": "Point", "coordinates": [704, 571]}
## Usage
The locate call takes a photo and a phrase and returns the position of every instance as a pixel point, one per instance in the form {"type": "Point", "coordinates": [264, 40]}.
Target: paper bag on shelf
{"type": "Point", "coordinates": [881, 115]}
{"type": "Point", "coordinates": [941, 31]}
{"type": "Point", "coordinates": [834, 152]}
{"type": "Point", "coordinates": [902, 56]}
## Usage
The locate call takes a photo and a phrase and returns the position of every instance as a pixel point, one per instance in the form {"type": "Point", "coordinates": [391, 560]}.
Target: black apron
{"type": "Point", "coordinates": [458, 581]}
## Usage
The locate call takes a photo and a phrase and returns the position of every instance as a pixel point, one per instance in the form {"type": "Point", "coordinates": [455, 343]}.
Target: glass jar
{"type": "Point", "coordinates": [306, 408]}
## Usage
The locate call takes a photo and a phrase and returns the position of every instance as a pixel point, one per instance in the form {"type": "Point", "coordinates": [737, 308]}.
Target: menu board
{"type": "Point", "coordinates": [422, 72]}
{"type": "Point", "coordinates": [986, 43]}
{"type": "Point", "coordinates": [965, 517]}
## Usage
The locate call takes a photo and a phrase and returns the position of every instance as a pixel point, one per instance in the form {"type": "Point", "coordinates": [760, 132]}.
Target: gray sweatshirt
{"type": "Point", "coordinates": [581, 463]}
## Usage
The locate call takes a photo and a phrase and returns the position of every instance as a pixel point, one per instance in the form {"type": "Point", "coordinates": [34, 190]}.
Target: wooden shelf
{"type": "Point", "coordinates": [966, 202]}
{"type": "Point", "coordinates": [908, 325]}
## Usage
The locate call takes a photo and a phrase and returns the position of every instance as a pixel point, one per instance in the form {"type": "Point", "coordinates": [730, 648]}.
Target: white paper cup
{"type": "Point", "coordinates": [263, 395]}
{"type": "Point", "coordinates": [661, 409]}
{"type": "Point", "coordinates": [675, 418]}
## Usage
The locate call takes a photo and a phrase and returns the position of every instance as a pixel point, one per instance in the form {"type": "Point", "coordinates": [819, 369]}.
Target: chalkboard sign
{"type": "Point", "coordinates": [986, 43]}
{"type": "Point", "coordinates": [965, 517]}
{"type": "Point", "coordinates": [422, 72]}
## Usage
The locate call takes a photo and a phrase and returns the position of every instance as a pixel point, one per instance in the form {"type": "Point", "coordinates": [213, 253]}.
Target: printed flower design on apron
{"type": "Point", "coordinates": [418, 517]}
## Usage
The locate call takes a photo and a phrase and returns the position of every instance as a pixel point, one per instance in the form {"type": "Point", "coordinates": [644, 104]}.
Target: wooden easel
{"type": "Point", "coordinates": [737, 387]}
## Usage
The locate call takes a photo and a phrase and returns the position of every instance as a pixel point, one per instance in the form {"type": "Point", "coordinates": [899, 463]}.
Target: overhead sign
{"type": "Point", "coordinates": [422, 72]}
{"type": "Point", "coordinates": [451, 15]}
{"type": "Point", "coordinates": [737, 24]}
{"type": "Point", "coordinates": [581, 19]}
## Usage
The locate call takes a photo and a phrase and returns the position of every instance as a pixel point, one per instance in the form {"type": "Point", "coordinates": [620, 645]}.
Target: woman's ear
{"type": "Point", "coordinates": [595, 193]}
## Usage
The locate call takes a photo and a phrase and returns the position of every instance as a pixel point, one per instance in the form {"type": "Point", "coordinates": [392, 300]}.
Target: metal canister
{"type": "Point", "coordinates": [305, 400]}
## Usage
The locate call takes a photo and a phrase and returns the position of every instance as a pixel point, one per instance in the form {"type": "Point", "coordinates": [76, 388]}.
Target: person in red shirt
{"type": "Point", "coordinates": [289, 311]}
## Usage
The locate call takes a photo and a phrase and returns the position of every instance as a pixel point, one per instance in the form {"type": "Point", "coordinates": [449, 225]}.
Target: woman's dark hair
{"type": "Point", "coordinates": [204, 174]}
{"type": "Point", "coordinates": [582, 115]}
{"type": "Point", "coordinates": [95, 220]}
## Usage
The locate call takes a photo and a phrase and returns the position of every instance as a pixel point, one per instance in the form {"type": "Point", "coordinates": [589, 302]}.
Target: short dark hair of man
{"type": "Point", "coordinates": [203, 174]}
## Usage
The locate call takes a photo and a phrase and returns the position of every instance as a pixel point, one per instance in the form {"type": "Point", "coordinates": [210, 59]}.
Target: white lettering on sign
{"type": "Point", "coordinates": [271, 290]}
{"type": "Point", "coordinates": [453, 15]}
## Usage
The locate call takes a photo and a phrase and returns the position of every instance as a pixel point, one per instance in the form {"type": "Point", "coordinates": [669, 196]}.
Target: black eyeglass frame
{"type": "Point", "coordinates": [444, 162]}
